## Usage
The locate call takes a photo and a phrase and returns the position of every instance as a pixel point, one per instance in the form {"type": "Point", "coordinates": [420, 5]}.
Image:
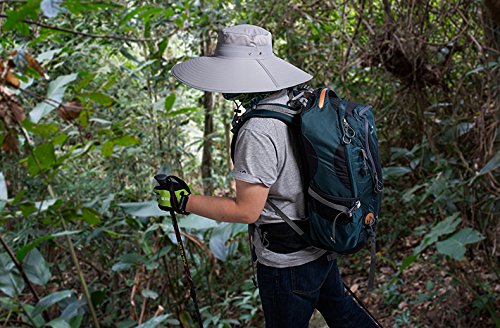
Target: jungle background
{"type": "Point", "coordinates": [89, 113]}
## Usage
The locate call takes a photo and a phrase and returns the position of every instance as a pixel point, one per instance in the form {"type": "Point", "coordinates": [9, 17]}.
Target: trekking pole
{"type": "Point", "coordinates": [362, 305]}
{"type": "Point", "coordinates": [160, 178]}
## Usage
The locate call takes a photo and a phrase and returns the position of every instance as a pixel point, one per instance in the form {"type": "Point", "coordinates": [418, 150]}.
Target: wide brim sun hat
{"type": "Point", "coordinates": [243, 62]}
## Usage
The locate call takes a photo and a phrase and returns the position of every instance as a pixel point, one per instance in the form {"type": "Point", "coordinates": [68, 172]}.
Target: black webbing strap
{"type": "Point", "coordinates": [285, 218]}
{"type": "Point", "coordinates": [373, 261]}
{"type": "Point", "coordinates": [350, 107]}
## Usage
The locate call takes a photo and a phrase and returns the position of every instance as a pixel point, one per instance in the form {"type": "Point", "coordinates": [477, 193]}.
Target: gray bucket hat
{"type": "Point", "coordinates": [243, 62]}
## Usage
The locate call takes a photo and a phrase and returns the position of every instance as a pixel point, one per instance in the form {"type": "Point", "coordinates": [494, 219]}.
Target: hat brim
{"type": "Point", "coordinates": [231, 75]}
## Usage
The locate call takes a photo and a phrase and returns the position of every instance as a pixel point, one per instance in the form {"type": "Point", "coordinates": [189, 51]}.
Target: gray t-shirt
{"type": "Point", "coordinates": [266, 152]}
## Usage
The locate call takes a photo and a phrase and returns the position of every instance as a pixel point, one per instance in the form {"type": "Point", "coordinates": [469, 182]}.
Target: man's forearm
{"type": "Point", "coordinates": [219, 208]}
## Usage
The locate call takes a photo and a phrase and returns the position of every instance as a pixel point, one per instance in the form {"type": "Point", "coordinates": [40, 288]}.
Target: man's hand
{"type": "Point", "coordinates": [171, 193]}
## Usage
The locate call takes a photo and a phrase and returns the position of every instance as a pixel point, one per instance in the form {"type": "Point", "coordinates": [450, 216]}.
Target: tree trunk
{"type": "Point", "coordinates": [208, 105]}
{"type": "Point", "coordinates": [492, 28]}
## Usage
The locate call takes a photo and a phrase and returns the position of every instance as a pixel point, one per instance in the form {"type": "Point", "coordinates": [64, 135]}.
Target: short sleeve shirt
{"type": "Point", "coordinates": [266, 153]}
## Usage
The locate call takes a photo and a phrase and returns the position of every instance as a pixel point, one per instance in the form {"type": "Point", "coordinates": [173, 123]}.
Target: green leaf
{"type": "Point", "coordinates": [36, 268]}
{"type": "Point", "coordinates": [3, 191]}
{"type": "Point", "coordinates": [10, 282]}
{"type": "Point", "coordinates": [21, 253]}
{"type": "Point", "coordinates": [196, 222]}
{"type": "Point", "coordinates": [45, 155]}
{"type": "Point", "coordinates": [76, 321]}
{"type": "Point", "coordinates": [41, 130]}
{"type": "Point", "coordinates": [493, 164]}
{"type": "Point", "coordinates": [107, 148]}
{"type": "Point", "coordinates": [55, 92]}
{"type": "Point", "coordinates": [161, 48]}
{"type": "Point", "coordinates": [98, 297]}
{"type": "Point", "coordinates": [133, 13]}
{"type": "Point", "coordinates": [149, 14]}
{"type": "Point", "coordinates": [84, 81]}
{"type": "Point", "coordinates": [48, 55]}
{"type": "Point", "coordinates": [60, 139]}
{"type": "Point", "coordinates": [127, 324]}
{"type": "Point", "coordinates": [50, 300]}
{"type": "Point", "coordinates": [27, 209]}
{"type": "Point", "coordinates": [127, 140]}
{"type": "Point", "coordinates": [444, 227]}
{"type": "Point", "coordinates": [464, 128]}
{"type": "Point", "coordinates": [481, 67]}
{"type": "Point", "coordinates": [15, 17]}
{"type": "Point", "coordinates": [100, 98]}
{"type": "Point", "coordinates": [58, 323]}
{"type": "Point", "coordinates": [395, 171]}
{"type": "Point", "coordinates": [143, 209]}
{"type": "Point", "coordinates": [407, 261]}
{"type": "Point", "coordinates": [169, 102]}
{"type": "Point", "coordinates": [127, 261]}
{"type": "Point", "coordinates": [2, 132]}
{"type": "Point", "coordinates": [38, 320]}
{"type": "Point", "coordinates": [72, 307]}
{"type": "Point", "coordinates": [220, 236]}
{"type": "Point", "coordinates": [77, 7]}
{"type": "Point", "coordinates": [146, 293]}
{"type": "Point", "coordinates": [455, 245]}
{"type": "Point", "coordinates": [183, 111]}
{"type": "Point", "coordinates": [168, 12]}
{"type": "Point", "coordinates": [91, 216]}
{"type": "Point", "coordinates": [7, 304]}
{"type": "Point", "coordinates": [155, 321]}
{"type": "Point", "coordinates": [45, 204]}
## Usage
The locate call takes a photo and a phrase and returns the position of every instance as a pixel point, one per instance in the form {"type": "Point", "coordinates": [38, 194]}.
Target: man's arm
{"type": "Point", "coordinates": [245, 208]}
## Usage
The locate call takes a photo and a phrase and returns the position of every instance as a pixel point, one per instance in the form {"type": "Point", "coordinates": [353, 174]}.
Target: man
{"type": "Point", "coordinates": [294, 278]}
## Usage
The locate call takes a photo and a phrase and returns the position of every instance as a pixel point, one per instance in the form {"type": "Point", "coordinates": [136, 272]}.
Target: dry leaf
{"type": "Point", "coordinates": [70, 110]}
{"type": "Point", "coordinates": [8, 76]}
{"type": "Point", "coordinates": [403, 305]}
{"type": "Point", "coordinates": [35, 65]}
{"type": "Point", "coordinates": [11, 112]}
{"type": "Point", "coordinates": [10, 142]}
{"type": "Point", "coordinates": [24, 59]}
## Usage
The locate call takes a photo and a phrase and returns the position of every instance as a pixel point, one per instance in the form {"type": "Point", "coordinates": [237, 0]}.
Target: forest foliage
{"type": "Point", "coordinates": [89, 113]}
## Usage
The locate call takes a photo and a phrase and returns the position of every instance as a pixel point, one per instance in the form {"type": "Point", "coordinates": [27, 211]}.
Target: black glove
{"type": "Point", "coordinates": [171, 193]}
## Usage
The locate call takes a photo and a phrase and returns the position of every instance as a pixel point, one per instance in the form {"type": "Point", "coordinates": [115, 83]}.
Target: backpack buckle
{"type": "Point", "coordinates": [354, 208]}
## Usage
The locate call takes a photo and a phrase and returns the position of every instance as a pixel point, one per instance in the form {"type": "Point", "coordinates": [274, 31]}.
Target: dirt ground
{"type": "Point", "coordinates": [432, 292]}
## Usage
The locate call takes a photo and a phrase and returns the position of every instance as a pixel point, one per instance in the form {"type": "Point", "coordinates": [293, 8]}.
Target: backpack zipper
{"type": "Point", "coordinates": [348, 134]}
{"type": "Point", "coordinates": [369, 154]}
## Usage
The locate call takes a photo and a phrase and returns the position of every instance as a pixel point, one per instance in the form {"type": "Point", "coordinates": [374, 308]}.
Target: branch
{"type": "Point", "coordinates": [23, 274]}
{"type": "Point", "coordinates": [388, 11]}
{"type": "Point", "coordinates": [87, 35]}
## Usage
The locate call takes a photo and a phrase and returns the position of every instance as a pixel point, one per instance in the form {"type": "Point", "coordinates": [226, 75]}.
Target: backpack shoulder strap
{"type": "Point", "coordinates": [280, 112]}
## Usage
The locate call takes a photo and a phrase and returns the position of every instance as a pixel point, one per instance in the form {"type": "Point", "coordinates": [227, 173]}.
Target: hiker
{"type": "Point", "coordinates": [293, 277]}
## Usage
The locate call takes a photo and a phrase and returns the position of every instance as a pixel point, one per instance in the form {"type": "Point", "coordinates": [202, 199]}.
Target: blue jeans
{"type": "Point", "coordinates": [290, 295]}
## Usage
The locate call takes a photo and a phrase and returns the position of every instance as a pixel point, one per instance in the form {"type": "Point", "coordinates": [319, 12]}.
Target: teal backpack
{"type": "Point", "coordinates": [343, 175]}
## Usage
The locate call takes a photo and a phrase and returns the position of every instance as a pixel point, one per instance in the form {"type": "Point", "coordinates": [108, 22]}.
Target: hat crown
{"type": "Point", "coordinates": [244, 37]}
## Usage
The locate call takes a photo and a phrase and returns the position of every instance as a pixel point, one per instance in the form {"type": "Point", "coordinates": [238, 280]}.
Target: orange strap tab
{"type": "Point", "coordinates": [369, 219]}
{"type": "Point", "coordinates": [321, 101]}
